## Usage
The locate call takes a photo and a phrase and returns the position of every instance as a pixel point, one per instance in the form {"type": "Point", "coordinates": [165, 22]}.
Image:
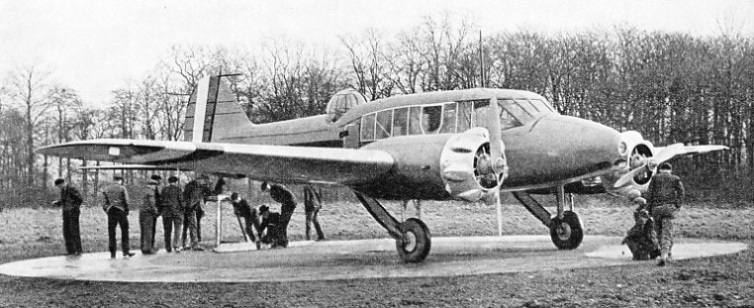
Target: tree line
{"type": "Point", "coordinates": [671, 87]}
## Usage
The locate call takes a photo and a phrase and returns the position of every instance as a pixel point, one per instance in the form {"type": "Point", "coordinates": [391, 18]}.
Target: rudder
{"type": "Point", "coordinates": [213, 102]}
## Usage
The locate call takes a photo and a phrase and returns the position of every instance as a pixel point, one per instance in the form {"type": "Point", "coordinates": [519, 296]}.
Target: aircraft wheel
{"type": "Point", "coordinates": [567, 233]}
{"type": "Point", "coordinates": [414, 244]}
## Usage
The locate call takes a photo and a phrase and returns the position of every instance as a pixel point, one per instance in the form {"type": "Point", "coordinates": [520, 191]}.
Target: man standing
{"type": "Point", "coordinates": [242, 209]}
{"type": "Point", "coordinates": [665, 195]}
{"type": "Point", "coordinates": [70, 200]}
{"type": "Point", "coordinates": [116, 207]}
{"type": "Point", "coordinates": [195, 193]}
{"type": "Point", "coordinates": [157, 189]}
{"type": "Point", "coordinates": [312, 205]}
{"type": "Point", "coordinates": [172, 213]}
{"type": "Point", "coordinates": [147, 216]}
{"type": "Point", "coordinates": [287, 201]}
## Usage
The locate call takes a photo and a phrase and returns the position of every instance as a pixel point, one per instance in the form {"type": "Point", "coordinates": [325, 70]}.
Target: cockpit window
{"type": "Point", "coordinates": [465, 115]}
{"type": "Point", "coordinates": [526, 106]}
{"type": "Point", "coordinates": [431, 119]}
{"type": "Point", "coordinates": [516, 111]}
{"type": "Point", "coordinates": [507, 120]}
{"type": "Point", "coordinates": [541, 106]}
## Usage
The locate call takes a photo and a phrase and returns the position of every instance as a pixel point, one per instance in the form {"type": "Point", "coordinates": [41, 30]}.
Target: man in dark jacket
{"type": "Point", "coordinates": [157, 189]}
{"type": "Point", "coordinates": [70, 201]}
{"type": "Point", "coordinates": [147, 216]}
{"type": "Point", "coordinates": [269, 229]}
{"type": "Point", "coordinates": [172, 213]}
{"type": "Point", "coordinates": [665, 196]}
{"type": "Point", "coordinates": [194, 194]}
{"type": "Point", "coordinates": [312, 205]}
{"type": "Point", "coordinates": [287, 201]}
{"type": "Point", "coordinates": [115, 204]}
{"type": "Point", "coordinates": [242, 209]}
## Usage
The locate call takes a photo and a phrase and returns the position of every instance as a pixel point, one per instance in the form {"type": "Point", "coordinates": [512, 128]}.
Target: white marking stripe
{"type": "Point", "coordinates": [200, 109]}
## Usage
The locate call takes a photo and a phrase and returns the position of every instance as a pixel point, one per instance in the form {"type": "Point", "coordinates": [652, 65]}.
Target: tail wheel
{"type": "Point", "coordinates": [414, 244]}
{"type": "Point", "coordinates": [567, 233]}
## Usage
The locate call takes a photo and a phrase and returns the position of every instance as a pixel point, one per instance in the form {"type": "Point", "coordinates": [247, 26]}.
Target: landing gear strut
{"type": "Point", "coordinates": [566, 230]}
{"type": "Point", "coordinates": [412, 238]}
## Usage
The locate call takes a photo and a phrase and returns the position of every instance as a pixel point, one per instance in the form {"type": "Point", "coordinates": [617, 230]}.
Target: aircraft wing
{"type": "Point", "coordinates": [694, 149]}
{"type": "Point", "coordinates": [285, 164]}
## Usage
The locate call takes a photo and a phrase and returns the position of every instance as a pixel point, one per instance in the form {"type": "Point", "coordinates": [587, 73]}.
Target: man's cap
{"type": "Point", "coordinates": [156, 177]}
{"type": "Point", "coordinates": [117, 177]}
{"type": "Point", "coordinates": [666, 166]}
{"type": "Point", "coordinates": [203, 177]}
{"type": "Point", "coordinates": [233, 196]}
{"type": "Point", "coordinates": [172, 179]}
{"type": "Point", "coordinates": [59, 181]}
{"type": "Point", "coordinates": [264, 186]}
{"type": "Point", "coordinates": [153, 182]}
{"type": "Point", "coordinates": [264, 209]}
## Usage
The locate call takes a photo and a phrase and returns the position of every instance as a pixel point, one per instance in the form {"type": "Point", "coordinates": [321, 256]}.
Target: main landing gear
{"type": "Point", "coordinates": [412, 238]}
{"type": "Point", "coordinates": [566, 230]}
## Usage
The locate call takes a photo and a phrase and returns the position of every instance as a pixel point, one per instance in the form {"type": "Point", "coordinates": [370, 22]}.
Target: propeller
{"type": "Point", "coordinates": [663, 155]}
{"type": "Point", "coordinates": [497, 158]}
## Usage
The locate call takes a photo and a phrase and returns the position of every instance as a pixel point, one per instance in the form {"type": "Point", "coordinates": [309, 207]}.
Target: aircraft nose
{"type": "Point", "coordinates": [580, 146]}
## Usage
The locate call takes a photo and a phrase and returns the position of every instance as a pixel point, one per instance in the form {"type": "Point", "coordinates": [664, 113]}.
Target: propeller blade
{"type": "Point", "coordinates": [496, 139]}
{"type": "Point", "coordinates": [668, 152]}
{"type": "Point", "coordinates": [624, 179]}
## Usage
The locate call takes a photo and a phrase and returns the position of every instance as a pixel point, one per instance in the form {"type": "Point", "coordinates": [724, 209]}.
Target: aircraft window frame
{"type": "Point", "coordinates": [515, 110]}
{"type": "Point", "coordinates": [404, 127]}
{"type": "Point", "coordinates": [383, 131]}
{"type": "Point", "coordinates": [478, 106]}
{"type": "Point", "coordinates": [507, 120]}
{"type": "Point", "coordinates": [527, 106]}
{"type": "Point", "coordinates": [445, 126]}
{"type": "Point", "coordinates": [415, 123]}
{"type": "Point", "coordinates": [538, 102]}
{"type": "Point", "coordinates": [365, 124]}
{"type": "Point", "coordinates": [439, 116]}
{"type": "Point", "coordinates": [465, 115]}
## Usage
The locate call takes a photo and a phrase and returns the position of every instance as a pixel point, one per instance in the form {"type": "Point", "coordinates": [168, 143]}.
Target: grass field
{"type": "Point", "coordinates": [725, 281]}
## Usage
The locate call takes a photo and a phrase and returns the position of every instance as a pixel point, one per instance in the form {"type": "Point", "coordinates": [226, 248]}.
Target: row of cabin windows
{"type": "Point", "coordinates": [443, 118]}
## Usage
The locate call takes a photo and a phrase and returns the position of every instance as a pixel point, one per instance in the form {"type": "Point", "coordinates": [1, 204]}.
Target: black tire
{"type": "Point", "coordinates": [567, 233]}
{"type": "Point", "coordinates": [415, 242]}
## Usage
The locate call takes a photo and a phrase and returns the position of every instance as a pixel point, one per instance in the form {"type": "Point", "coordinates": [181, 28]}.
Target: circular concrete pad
{"type": "Point", "coordinates": [352, 260]}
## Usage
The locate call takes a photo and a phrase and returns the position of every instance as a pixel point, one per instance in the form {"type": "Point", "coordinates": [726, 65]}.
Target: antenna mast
{"type": "Point", "coordinates": [481, 59]}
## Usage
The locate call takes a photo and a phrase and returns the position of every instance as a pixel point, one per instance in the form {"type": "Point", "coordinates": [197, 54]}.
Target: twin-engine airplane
{"type": "Point", "coordinates": [450, 145]}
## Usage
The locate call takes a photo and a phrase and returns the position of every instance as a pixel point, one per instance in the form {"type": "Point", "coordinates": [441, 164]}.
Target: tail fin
{"type": "Point", "coordinates": [212, 112]}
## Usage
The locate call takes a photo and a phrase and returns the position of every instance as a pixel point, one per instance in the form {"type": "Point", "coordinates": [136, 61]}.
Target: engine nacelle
{"type": "Point", "coordinates": [437, 167]}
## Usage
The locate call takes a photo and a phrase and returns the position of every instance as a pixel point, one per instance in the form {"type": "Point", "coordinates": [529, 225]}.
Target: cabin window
{"type": "Point", "coordinates": [431, 119]}
{"type": "Point", "coordinates": [465, 112]}
{"type": "Point", "coordinates": [414, 120]}
{"type": "Point", "coordinates": [448, 118]}
{"type": "Point", "coordinates": [477, 118]}
{"type": "Point", "coordinates": [400, 122]}
{"type": "Point", "coordinates": [384, 124]}
{"type": "Point", "coordinates": [367, 127]}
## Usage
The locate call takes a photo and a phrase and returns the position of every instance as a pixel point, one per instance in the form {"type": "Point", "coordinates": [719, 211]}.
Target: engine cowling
{"type": "Point", "coordinates": [467, 167]}
{"type": "Point", "coordinates": [438, 167]}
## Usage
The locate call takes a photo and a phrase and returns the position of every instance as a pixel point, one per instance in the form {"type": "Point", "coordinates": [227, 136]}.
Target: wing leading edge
{"type": "Point", "coordinates": [287, 164]}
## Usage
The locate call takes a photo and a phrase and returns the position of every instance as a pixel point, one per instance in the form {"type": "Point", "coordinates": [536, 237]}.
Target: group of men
{"type": "Point", "coordinates": [182, 210]}
{"type": "Point", "coordinates": [273, 227]}
{"type": "Point", "coordinates": [652, 234]}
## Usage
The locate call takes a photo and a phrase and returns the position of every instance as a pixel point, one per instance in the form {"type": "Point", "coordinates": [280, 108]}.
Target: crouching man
{"type": "Point", "coordinates": [641, 238]}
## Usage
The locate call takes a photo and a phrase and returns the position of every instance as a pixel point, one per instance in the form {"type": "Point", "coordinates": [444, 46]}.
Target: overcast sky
{"type": "Point", "coordinates": [94, 46]}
